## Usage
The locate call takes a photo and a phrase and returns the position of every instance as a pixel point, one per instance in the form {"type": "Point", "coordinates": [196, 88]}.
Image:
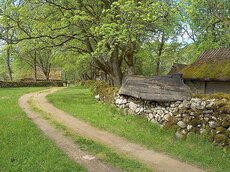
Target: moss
{"type": "Point", "coordinates": [221, 129]}
{"type": "Point", "coordinates": [208, 70]}
{"type": "Point", "coordinates": [220, 104]}
{"type": "Point", "coordinates": [220, 139]}
{"type": "Point", "coordinates": [226, 122]}
{"type": "Point", "coordinates": [195, 122]}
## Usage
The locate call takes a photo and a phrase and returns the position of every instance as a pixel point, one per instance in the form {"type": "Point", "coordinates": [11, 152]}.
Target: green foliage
{"type": "Point", "coordinates": [101, 88]}
{"type": "Point", "coordinates": [210, 22]}
{"type": "Point", "coordinates": [113, 36]}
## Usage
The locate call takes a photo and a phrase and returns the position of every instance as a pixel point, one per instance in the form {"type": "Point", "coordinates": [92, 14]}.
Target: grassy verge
{"type": "Point", "coordinates": [196, 149]}
{"type": "Point", "coordinates": [102, 152]}
{"type": "Point", "coordinates": [22, 145]}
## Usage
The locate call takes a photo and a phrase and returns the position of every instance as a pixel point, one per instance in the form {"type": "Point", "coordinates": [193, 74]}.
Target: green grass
{"type": "Point", "coordinates": [23, 147]}
{"type": "Point", "coordinates": [196, 149]}
{"type": "Point", "coordinates": [102, 152]}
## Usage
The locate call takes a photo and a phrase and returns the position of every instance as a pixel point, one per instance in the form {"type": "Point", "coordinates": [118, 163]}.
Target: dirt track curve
{"type": "Point", "coordinates": [64, 143]}
{"type": "Point", "coordinates": [156, 161]}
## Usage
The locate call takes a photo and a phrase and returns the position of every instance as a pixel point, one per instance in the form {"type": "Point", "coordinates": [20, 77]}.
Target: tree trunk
{"type": "Point", "coordinates": [160, 50]}
{"type": "Point", "coordinates": [35, 66]}
{"type": "Point", "coordinates": [116, 66]}
{"type": "Point", "coordinates": [158, 66]}
{"type": "Point", "coordinates": [130, 70]}
{"type": "Point", "coordinates": [48, 74]}
{"type": "Point", "coordinates": [129, 58]}
{"type": "Point", "coordinates": [8, 66]}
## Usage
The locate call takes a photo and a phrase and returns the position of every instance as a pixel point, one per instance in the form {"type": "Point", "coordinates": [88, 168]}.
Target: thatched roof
{"type": "Point", "coordinates": [176, 68]}
{"type": "Point", "coordinates": [161, 89]}
{"type": "Point", "coordinates": [212, 65]}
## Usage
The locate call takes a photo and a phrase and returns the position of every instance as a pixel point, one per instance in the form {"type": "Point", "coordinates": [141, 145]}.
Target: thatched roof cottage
{"type": "Point", "coordinates": [210, 73]}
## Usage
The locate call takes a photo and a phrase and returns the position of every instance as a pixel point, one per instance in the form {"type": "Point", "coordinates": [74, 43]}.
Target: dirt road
{"type": "Point", "coordinates": [154, 160]}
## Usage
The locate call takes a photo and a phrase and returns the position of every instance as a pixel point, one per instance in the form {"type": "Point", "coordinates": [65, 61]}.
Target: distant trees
{"type": "Point", "coordinates": [85, 37]}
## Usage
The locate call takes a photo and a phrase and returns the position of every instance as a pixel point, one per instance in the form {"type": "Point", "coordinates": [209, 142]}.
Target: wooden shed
{"type": "Point", "coordinates": [160, 89]}
{"type": "Point", "coordinates": [210, 73]}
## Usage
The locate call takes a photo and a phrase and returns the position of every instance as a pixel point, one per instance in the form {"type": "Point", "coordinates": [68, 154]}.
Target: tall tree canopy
{"type": "Point", "coordinates": [108, 35]}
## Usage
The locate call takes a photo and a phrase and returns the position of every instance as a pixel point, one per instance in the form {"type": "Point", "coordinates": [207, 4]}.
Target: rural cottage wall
{"type": "Point", "coordinates": [196, 115]}
{"type": "Point", "coordinates": [208, 87]}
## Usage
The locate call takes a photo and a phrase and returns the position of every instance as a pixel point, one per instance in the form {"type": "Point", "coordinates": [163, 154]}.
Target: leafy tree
{"type": "Point", "coordinates": [209, 22]}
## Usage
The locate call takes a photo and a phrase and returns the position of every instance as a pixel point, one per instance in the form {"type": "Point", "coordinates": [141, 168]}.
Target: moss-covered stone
{"type": "Point", "coordinates": [195, 122]}
{"type": "Point", "coordinates": [220, 139]}
{"type": "Point", "coordinates": [220, 129]}
{"type": "Point", "coordinates": [226, 122]}
{"type": "Point", "coordinates": [172, 121]}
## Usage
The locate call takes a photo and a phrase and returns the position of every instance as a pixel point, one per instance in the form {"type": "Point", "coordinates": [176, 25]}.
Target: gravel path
{"type": "Point", "coordinates": [154, 160]}
{"type": "Point", "coordinates": [67, 145]}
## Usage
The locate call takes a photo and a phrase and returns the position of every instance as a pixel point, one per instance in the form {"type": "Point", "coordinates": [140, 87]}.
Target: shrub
{"type": "Point", "coordinates": [101, 88]}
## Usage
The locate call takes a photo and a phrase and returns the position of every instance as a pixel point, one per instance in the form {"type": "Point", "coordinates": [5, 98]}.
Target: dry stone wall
{"type": "Point", "coordinates": [31, 84]}
{"type": "Point", "coordinates": [196, 115]}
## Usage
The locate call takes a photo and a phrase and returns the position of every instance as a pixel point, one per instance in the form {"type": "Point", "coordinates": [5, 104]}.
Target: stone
{"type": "Point", "coordinates": [220, 139]}
{"type": "Point", "coordinates": [180, 106]}
{"type": "Point", "coordinates": [212, 124]}
{"type": "Point", "coordinates": [176, 109]}
{"type": "Point", "coordinates": [226, 122]}
{"type": "Point", "coordinates": [160, 112]}
{"type": "Point", "coordinates": [124, 101]}
{"type": "Point", "coordinates": [89, 157]}
{"type": "Point", "coordinates": [118, 102]}
{"type": "Point", "coordinates": [141, 110]}
{"type": "Point", "coordinates": [187, 119]}
{"type": "Point", "coordinates": [132, 106]}
{"type": "Point", "coordinates": [150, 116]}
{"type": "Point", "coordinates": [186, 103]}
{"type": "Point", "coordinates": [189, 127]}
{"type": "Point", "coordinates": [192, 114]}
{"type": "Point", "coordinates": [97, 97]}
{"type": "Point", "coordinates": [167, 117]}
{"type": "Point", "coordinates": [147, 111]}
{"type": "Point", "coordinates": [181, 124]}
{"type": "Point", "coordinates": [208, 111]}
{"type": "Point", "coordinates": [195, 122]}
{"type": "Point", "coordinates": [210, 105]}
{"type": "Point", "coordinates": [179, 135]}
{"type": "Point", "coordinates": [184, 132]}
{"type": "Point", "coordinates": [197, 104]}
{"type": "Point", "coordinates": [172, 105]}
{"type": "Point", "coordinates": [220, 130]}
{"type": "Point", "coordinates": [202, 131]}
{"type": "Point", "coordinates": [137, 110]}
